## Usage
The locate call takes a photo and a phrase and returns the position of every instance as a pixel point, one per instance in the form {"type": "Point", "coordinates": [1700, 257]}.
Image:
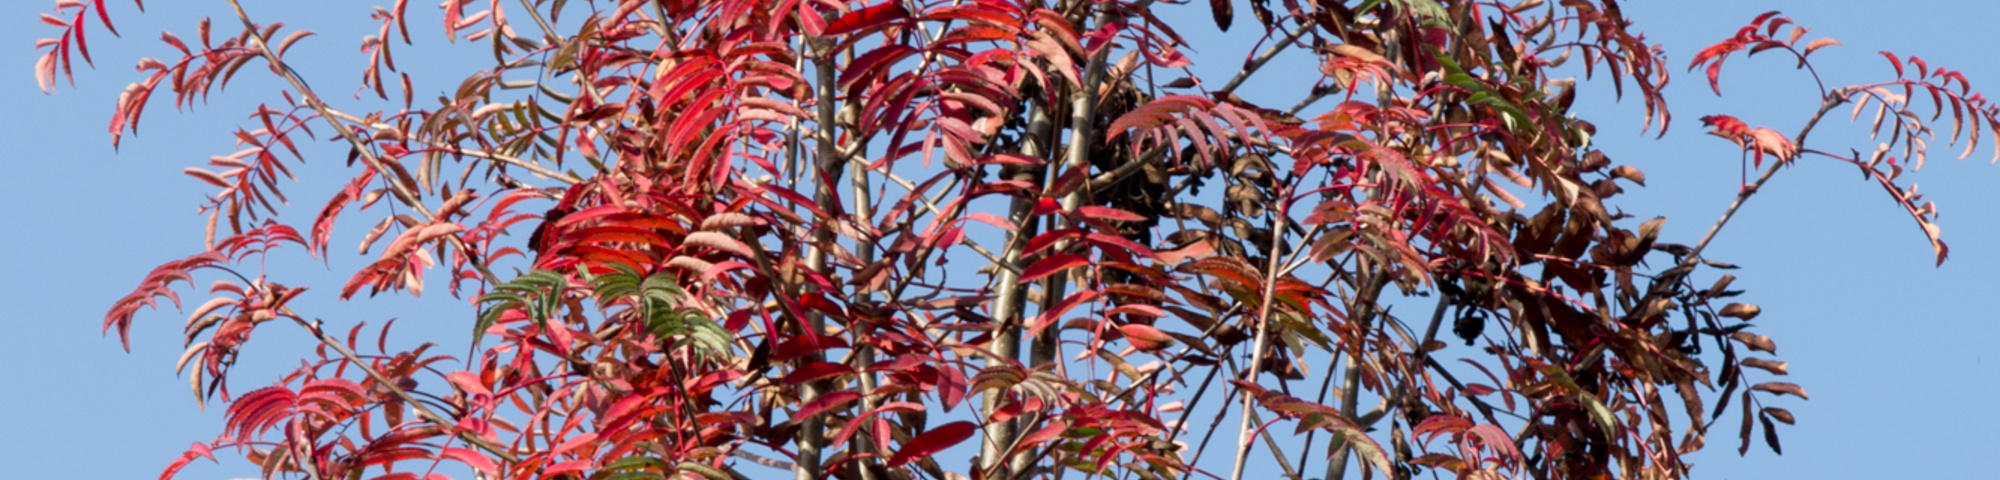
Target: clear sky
{"type": "Point", "coordinates": [1891, 349]}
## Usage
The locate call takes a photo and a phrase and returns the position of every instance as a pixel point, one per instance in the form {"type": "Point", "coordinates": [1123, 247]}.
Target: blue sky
{"type": "Point", "coordinates": [1891, 348]}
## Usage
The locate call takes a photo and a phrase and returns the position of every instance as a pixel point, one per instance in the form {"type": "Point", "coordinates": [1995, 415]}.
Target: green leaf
{"type": "Point", "coordinates": [637, 476]}
{"type": "Point", "coordinates": [1368, 450]}
{"type": "Point", "coordinates": [1598, 413]}
{"type": "Point", "coordinates": [704, 470]}
{"type": "Point", "coordinates": [1461, 80]}
{"type": "Point", "coordinates": [486, 320]}
{"type": "Point", "coordinates": [636, 463]}
{"type": "Point", "coordinates": [503, 297]}
{"type": "Point", "coordinates": [1601, 415]}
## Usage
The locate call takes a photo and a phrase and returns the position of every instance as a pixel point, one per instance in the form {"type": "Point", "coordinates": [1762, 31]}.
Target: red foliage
{"type": "Point", "coordinates": [851, 239]}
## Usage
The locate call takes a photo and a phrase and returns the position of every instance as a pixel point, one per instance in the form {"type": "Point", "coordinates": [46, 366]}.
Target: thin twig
{"type": "Point", "coordinates": [1250, 417]}
{"type": "Point", "coordinates": [768, 462]}
{"type": "Point", "coordinates": [1269, 53]}
{"type": "Point", "coordinates": [534, 167]}
{"type": "Point", "coordinates": [1363, 308]}
{"type": "Point", "coordinates": [1271, 276]}
{"type": "Point", "coordinates": [1661, 286]}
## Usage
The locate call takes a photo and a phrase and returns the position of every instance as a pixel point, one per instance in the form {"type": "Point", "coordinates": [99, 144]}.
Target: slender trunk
{"type": "Point", "coordinates": [1362, 310]}
{"type": "Point", "coordinates": [1083, 116]}
{"type": "Point", "coordinates": [1011, 295]}
{"type": "Point", "coordinates": [864, 356]}
{"type": "Point", "coordinates": [812, 434]}
{"type": "Point", "coordinates": [1271, 276]}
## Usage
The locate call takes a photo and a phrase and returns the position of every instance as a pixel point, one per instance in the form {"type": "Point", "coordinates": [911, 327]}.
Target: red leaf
{"type": "Point", "coordinates": [1049, 239]}
{"type": "Point", "coordinates": [1145, 337]}
{"type": "Point", "coordinates": [815, 371]}
{"type": "Point", "coordinates": [1050, 432]}
{"type": "Point", "coordinates": [1049, 317]}
{"type": "Point", "coordinates": [824, 403]}
{"type": "Point", "coordinates": [1045, 206]}
{"type": "Point", "coordinates": [869, 62]}
{"type": "Point", "coordinates": [197, 450]}
{"type": "Point", "coordinates": [1893, 62]}
{"type": "Point", "coordinates": [1052, 264]}
{"type": "Point", "coordinates": [866, 18]}
{"type": "Point", "coordinates": [1118, 242]}
{"type": "Point", "coordinates": [933, 441]}
{"type": "Point", "coordinates": [1107, 213]}
{"type": "Point", "coordinates": [719, 241]}
{"type": "Point", "coordinates": [472, 458]}
{"type": "Point", "coordinates": [994, 220]}
{"type": "Point", "coordinates": [105, 17]}
{"type": "Point", "coordinates": [806, 344]}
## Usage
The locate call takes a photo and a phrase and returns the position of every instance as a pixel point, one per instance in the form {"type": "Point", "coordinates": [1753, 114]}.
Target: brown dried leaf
{"type": "Point", "coordinates": [1225, 14]}
{"type": "Point", "coordinates": [1649, 232]}
{"type": "Point", "coordinates": [1743, 311]}
{"type": "Point", "coordinates": [1756, 342]}
{"type": "Point", "coordinates": [1782, 388]}
{"type": "Point", "coordinates": [1629, 172]}
{"type": "Point", "coordinates": [1745, 433]}
{"type": "Point", "coordinates": [1721, 285]}
{"type": "Point", "coordinates": [1779, 414]}
{"type": "Point", "coordinates": [1771, 435]}
{"type": "Point", "coordinates": [1358, 53]}
{"type": "Point", "coordinates": [1775, 367]}
{"type": "Point", "coordinates": [1690, 398]}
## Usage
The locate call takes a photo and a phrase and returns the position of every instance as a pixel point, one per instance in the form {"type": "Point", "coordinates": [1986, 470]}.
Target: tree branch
{"type": "Point", "coordinates": [422, 411]}
{"type": "Point", "coordinates": [1263, 58]}
{"type": "Point", "coordinates": [402, 193]}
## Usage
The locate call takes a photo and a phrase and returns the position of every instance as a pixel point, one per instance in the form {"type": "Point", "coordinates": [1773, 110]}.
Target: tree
{"type": "Point", "coordinates": [787, 234]}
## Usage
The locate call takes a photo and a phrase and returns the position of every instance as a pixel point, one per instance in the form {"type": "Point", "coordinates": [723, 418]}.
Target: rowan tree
{"type": "Point", "coordinates": [993, 239]}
